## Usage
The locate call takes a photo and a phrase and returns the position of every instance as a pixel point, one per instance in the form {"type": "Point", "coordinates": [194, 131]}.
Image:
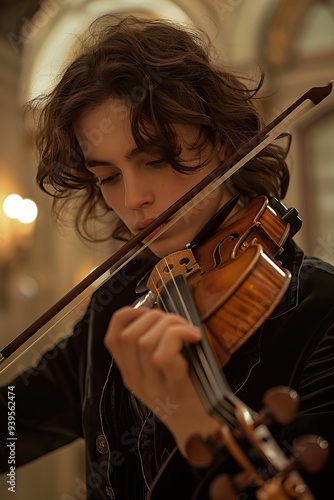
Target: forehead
{"type": "Point", "coordinates": [106, 115]}
{"type": "Point", "coordinates": [106, 123]}
{"type": "Point", "coordinates": [109, 125]}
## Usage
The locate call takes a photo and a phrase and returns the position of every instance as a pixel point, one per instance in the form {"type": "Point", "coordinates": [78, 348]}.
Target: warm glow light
{"type": "Point", "coordinates": [28, 211]}
{"type": "Point", "coordinates": [23, 210]}
{"type": "Point", "coordinates": [12, 206]}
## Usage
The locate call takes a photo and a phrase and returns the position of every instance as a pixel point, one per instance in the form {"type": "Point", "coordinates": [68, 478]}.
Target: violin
{"type": "Point", "coordinates": [227, 286]}
{"type": "Point", "coordinates": [233, 276]}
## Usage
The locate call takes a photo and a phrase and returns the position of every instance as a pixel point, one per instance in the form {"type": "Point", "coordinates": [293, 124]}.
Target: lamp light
{"type": "Point", "coordinates": [17, 219]}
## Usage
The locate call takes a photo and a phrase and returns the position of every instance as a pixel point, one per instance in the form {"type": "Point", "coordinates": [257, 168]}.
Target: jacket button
{"type": "Point", "coordinates": [101, 444]}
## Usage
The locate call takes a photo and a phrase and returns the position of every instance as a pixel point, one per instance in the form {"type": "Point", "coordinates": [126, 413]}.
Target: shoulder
{"type": "Point", "coordinates": [312, 264]}
{"type": "Point", "coordinates": [312, 279]}
{"type": "Point", "coordinates": [316, 281]}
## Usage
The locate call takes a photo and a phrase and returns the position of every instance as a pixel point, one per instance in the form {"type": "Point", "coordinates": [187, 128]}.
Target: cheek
{"type": "Point", "coordinates": [107, 199]}
{"type": "Point", "coordinates": [212, 199]}
{"type": "Point", "coordinates": [111, 197]}
{"type": "Point", "coordinates": [116, 203]}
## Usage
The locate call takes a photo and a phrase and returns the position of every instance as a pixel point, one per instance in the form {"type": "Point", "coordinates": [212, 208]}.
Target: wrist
{"type": "Point", "coordinates": [191, 427]}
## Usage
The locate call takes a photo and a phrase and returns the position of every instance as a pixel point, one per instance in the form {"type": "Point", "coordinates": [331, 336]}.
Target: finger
{"type": "Point", "coordinates": [168, 357]}
{"type": "Point", "coordinates": [164, 378]}
{"type": "Point", "coordinates": [138, 342]}
{"type": "Point", "coordinates": [124, 352]}
{"type": "Point", "coordinates": [153, 334]}
{"type": "Point", "coordinates": [126, 327]}
{"type": "Point", "coordinates": [134, 336]}
{"type": "Point", "coordinates": [160, 349]}
{"type": "Point", "coordinates": [119, 321]}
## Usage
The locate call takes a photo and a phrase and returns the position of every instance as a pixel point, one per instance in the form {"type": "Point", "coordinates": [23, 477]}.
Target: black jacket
{"type": "Point", "coordinates": [76, 391]}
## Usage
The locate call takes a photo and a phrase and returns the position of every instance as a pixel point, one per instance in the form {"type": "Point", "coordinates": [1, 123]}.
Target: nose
{"type": "Point", "coordinates": [137, 192]}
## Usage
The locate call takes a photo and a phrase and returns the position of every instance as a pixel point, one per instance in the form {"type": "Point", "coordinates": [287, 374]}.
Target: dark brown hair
{"type": "Point", "coordinates": [166, 75]}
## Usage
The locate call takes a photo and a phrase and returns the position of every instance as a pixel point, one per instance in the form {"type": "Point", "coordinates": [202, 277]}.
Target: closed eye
{"type": "Point", "coordinates": [156, 163]}
{"type": "Point", "coordinates": [108, 180]}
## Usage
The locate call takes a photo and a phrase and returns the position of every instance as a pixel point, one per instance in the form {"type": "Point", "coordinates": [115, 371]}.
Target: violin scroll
{"type": "Point", "coordinates": [260, 467]}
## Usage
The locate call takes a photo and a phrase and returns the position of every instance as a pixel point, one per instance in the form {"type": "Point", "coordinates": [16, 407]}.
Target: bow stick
{"type": "Point", "coordinates": [186, 203]}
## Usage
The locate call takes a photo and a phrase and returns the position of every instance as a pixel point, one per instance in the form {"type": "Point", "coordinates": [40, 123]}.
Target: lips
{"type": "Point", "coordinates": [150, 236]}
{"type": "Point", "coordinates": [143, 224]}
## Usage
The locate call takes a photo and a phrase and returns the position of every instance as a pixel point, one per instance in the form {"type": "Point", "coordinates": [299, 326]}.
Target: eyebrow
{"type": "Point", "coordinates": [102, 163]}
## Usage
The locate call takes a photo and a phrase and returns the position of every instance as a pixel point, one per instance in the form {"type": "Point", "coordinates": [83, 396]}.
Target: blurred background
{"type": "Point", "coordinates": [292, 40]}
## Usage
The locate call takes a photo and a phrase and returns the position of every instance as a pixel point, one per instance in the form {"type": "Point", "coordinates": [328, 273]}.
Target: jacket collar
{"type": "Point", "coordinates": [292, 259]}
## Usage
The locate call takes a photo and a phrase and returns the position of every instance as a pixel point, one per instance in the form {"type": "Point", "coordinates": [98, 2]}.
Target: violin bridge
{"type": "Point", "coordinates": [181, 262]}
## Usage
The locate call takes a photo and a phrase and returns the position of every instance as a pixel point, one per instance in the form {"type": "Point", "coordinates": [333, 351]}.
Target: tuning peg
{"type": "Point", "coordinates": [311, 452]}
{"type": "Point", "coordinates": [279, 488]}
{"type": "Point", "coordinates": [281, 404]}
{"type": "Point", "coordinates": [222, 487]}
{"type": "Point", "coordinates": [197, 452]}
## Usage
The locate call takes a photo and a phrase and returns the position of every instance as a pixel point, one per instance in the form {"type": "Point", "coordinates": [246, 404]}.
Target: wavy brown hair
{"type": "Point", "coordinates": [165, 75]}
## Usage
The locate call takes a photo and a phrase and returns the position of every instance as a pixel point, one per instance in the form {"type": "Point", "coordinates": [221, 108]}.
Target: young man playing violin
{"type": "Point", "coordinates": [137, 120]}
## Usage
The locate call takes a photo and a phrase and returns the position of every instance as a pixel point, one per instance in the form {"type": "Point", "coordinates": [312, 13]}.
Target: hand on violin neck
{"type": "Point", "coordinates": [146, 345]}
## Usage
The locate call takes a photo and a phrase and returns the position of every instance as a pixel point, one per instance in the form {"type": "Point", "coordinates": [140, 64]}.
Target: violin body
{"type": "Point", "coordinates": [235, 282]}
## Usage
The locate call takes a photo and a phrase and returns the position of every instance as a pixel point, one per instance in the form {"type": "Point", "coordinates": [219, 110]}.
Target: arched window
{"type": "Point", "coordinates": [297, 47]}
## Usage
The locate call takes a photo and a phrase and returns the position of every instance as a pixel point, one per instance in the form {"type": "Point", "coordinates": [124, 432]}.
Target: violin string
{"type": "Point", "coordinates": [230, 166]}
{"type": "Point", "coordinates": [228, 394]}
{"type": "Point", "coordinates": [180, 296]}
{"type": "Point", "coordinates": [226, 408]}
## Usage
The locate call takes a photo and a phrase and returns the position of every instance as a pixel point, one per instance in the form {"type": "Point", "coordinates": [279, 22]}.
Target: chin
{"type": "Point", "coordinates": [162, 249]}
